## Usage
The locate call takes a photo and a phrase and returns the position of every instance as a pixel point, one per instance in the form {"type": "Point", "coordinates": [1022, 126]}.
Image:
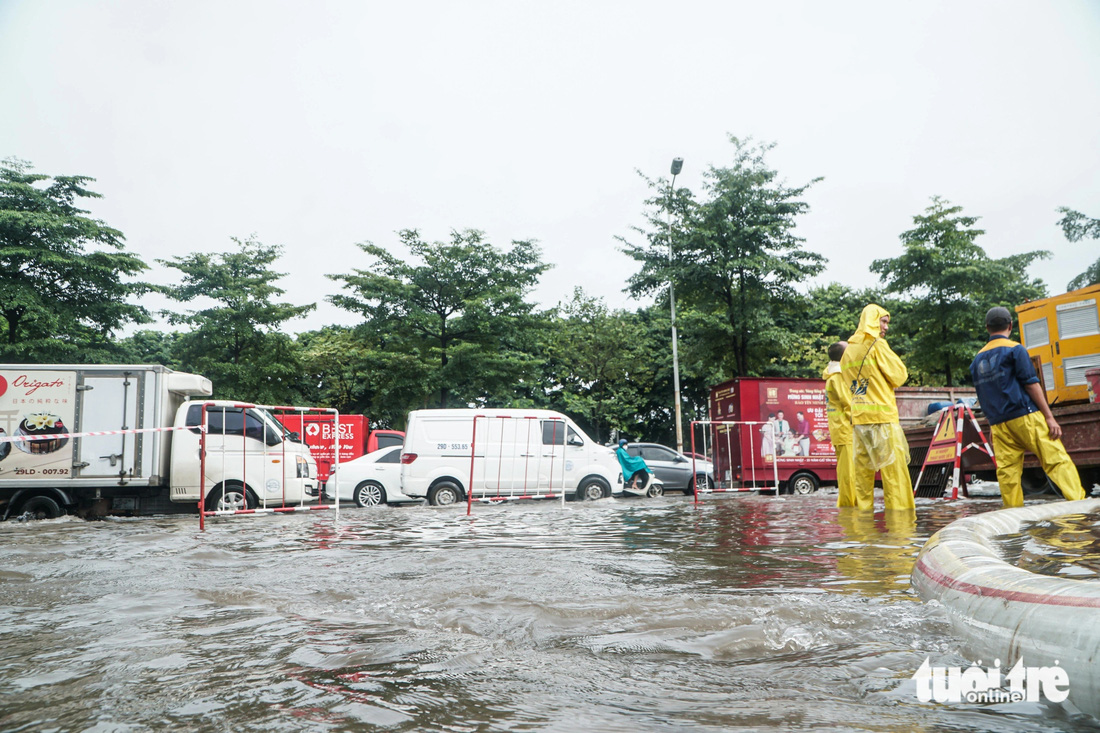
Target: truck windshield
{"type": "Point", "coordinates": [233, 421]}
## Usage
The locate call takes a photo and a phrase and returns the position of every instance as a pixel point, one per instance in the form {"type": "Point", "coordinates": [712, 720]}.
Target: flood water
{"type": "Point", "coordinates": [1067, 546]}
{"type": "Point", "coordinates": [743, 613]}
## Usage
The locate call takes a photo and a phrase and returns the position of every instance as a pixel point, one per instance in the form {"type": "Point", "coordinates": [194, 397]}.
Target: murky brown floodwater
{"type": "Point", "coordinates": [1067, 546]}
{"type": "Point", "coordinates": [618, 615]}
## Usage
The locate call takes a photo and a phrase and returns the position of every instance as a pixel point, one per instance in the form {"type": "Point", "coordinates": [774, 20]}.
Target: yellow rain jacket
{"type": "Point", "coordinates": [872, 371]}
{"type": "Point", "coordinates": [839, 409]}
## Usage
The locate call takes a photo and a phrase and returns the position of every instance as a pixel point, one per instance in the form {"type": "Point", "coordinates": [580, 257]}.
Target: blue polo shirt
{"type": "Point", "coordinates": [1000, 372]}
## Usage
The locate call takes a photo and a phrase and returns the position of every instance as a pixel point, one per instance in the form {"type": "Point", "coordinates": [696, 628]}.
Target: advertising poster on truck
{"type": "Point", "coordinates": [317, 434]}
{"type": "Point", "coordinates": [798, 412]}
{"type": "Point", "coordinates": [795, 410]}
{"type": "Point", "coordinates": [36, 404]}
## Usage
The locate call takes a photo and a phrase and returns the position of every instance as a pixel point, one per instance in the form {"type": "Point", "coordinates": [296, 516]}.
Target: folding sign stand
{"type": "Point", "coordinates": [947, 448]}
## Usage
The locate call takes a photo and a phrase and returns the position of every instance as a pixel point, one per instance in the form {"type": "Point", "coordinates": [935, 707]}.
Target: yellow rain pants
{"type": "Point", "coordinates": [845, 480]}
{"type": "Point", "coordinates": [1030, 433]}
{"type": "Point", "coordinates": [839, 400]}
{"type": "Point", "coordinates": [897, 486]}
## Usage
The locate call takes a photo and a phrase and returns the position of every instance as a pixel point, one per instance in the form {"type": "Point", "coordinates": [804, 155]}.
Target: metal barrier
{"type": "Point", "coordinates": [728, 453]}
{"type": "Point", "coordinates": [257, 426]}
{"type": "Point", "coordinates": [514, 467]}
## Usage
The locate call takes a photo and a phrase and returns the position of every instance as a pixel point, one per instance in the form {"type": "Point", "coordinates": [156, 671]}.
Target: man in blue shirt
{"type": "Point", "coordinates": [1013, 402]}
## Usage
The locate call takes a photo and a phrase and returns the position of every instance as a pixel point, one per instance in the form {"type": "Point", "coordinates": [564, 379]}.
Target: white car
{"type": "Point", "coordinates": [370, 480]}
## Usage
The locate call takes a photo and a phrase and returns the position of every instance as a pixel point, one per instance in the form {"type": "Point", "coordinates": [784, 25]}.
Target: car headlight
{"type": "Point", "coordinates": [303, 466]}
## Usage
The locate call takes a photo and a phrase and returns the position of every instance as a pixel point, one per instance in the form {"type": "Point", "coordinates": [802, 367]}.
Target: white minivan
{"type": "Point", "coordinates": [514, 453]}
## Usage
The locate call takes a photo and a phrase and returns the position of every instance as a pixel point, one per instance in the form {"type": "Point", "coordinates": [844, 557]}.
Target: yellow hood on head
{"type": "Point", "coordinates": [869, 328]}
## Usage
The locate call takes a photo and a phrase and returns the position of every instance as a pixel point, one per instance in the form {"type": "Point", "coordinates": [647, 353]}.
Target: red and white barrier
{"type": "Point", "coordinates": [508, 460]}
{"type": "Point", "coordinates": [283, 507]}
{"type": "Point", "coordinates": [733, 439]}
{"type": "Point", "coordinates": [94, 433]}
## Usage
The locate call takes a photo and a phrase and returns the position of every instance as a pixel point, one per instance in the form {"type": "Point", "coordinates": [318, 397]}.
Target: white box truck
{"type": "Point", "coordinates": [515, 451]}
{"type": "Point", "coordinates": [250, 458]}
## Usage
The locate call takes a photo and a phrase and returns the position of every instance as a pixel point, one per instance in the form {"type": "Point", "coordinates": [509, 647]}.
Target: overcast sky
{"type": "Point", "coordinates": [316, 125]}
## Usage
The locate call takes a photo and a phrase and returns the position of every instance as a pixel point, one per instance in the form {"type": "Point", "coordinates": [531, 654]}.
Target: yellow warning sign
{"type": "Point", "coordinates": [941, 454]}
{"type": "Point", "coordinates": [947, 429]}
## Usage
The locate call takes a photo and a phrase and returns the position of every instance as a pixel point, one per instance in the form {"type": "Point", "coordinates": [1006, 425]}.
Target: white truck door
{"type": "Point", "coordinates": [108, 402]}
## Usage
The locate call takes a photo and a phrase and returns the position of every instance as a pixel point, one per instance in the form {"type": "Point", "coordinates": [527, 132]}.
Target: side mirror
{"type": "Point", "coordinates": [295, 437]}
{"type": "Point", "coordinates": [576, 441]}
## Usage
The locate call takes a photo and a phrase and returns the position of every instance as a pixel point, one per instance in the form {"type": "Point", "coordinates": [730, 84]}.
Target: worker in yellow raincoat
{"type": "Point", "coordinates": [1013, 402]}
{"type": "Point", "coordinates": [839, 412]}
{"type": "Point", "coordinates": [872, 372]}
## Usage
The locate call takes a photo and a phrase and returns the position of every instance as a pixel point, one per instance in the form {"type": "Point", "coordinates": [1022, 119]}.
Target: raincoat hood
{"type": "Point", "coordinates": [868, 324]}
{"type": "Point", "coordinates": [832, 368]}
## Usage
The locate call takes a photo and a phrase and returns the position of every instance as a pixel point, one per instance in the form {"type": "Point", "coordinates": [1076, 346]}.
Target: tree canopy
{"type": "Point", "coordinates": [459, 306]}
{"type": "Point", "coordinates": [451, 323]}
{"type": "Point", "coordinates": [735, 258]}
{"type": "Point", "coordinates": [952, 282]}
{"type": "Point", "coordinates": [235, 339]}
{"type": "Point", "coordinates": [65, 278]}
{"type": "Point", "coordinates": [1076, 226]}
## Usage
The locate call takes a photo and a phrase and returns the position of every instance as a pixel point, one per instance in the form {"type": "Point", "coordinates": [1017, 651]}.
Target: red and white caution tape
{"type": "Point", "coordinates": [58, 436]}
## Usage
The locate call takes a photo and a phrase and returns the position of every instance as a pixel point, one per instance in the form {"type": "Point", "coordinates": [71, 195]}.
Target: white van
{"type": "Point", "coordinates": [515, 453]}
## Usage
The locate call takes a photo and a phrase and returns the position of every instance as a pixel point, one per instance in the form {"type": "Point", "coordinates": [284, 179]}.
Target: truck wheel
{"type": "Point", "coordinates": [445, 493]}
{"type": "Point", "coordinates": [803, 483]}
{"type": "Point", "coordinates": [41, 507]}
{"type": "Point", "coordinates": [1034, 482]}
{"type": "Point", "coordinates": [592, 489]}
{"type": "Point", "coordinates": [369, 493]}
{"type": "Point", "coordinates": [234, 498]}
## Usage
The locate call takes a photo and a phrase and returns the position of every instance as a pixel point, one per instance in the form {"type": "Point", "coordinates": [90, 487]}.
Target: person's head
{"type": "Point", "coordinates": [799, 415]}
{"type": "Point", "coordinates": [998, 320]}
{"type": "Point", "coordinates": [837, 350]}
{"type": "Point", "coordinates": [780, 413]}
{"type": "Point", "coordinates": [771, 416]}
{"type": "Point", "coordinates": [622, 442]}
{"type": "Point", "coordinates": [874, 321]}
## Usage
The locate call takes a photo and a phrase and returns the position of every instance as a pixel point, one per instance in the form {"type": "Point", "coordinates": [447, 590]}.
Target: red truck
{"type": "Point", "coordinates": [356, 438]}
{"type": "Point", "coordinates": [800, 453]}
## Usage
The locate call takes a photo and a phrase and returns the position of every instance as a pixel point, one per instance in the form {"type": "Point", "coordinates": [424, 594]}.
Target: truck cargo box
{"type": "Point", "coordinates": [743, 456]}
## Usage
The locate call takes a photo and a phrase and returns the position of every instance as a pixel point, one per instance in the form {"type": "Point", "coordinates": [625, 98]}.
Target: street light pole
{"type": "Point", "coordinates": [677, 166]}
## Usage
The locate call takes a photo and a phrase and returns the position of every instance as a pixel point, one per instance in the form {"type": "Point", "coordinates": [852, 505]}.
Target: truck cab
{"type": "Point", "coordinates": [251, 460]}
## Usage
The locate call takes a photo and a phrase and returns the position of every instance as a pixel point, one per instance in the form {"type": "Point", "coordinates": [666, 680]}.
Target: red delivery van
{"type": "Point", "coordinates": [317, 434]}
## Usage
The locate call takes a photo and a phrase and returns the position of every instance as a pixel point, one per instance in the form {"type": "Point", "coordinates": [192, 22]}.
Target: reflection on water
{"type": "Point", "coordinates": [741, 613]}
{"type": "Point", "coordinates": [1067, 546]}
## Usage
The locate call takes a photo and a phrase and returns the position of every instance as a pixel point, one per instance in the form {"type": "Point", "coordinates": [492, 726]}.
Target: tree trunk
{"type": "Point", "coordinates": [444, 341]}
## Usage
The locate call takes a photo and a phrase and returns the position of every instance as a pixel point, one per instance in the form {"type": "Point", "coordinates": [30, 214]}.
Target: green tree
{"type": "Point", "coordinates": [1076, 226]}
{"type": "Point", "coordinates": [601, 364]}
{"type": "Point", "coordinates": [459, 307]}
{"type": "Point", "coordinates": [952, 282]}
{"type": "Point", "coordinates": [735, 259]}
{"type": "Point", "coordinates": [235, 340]}
{"type": "Point", "coordinates": [64, 276]}
{"type": "Point", "coordinates": [351, 369]}
{"type": "Point", "coordinates": [150, 347]}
